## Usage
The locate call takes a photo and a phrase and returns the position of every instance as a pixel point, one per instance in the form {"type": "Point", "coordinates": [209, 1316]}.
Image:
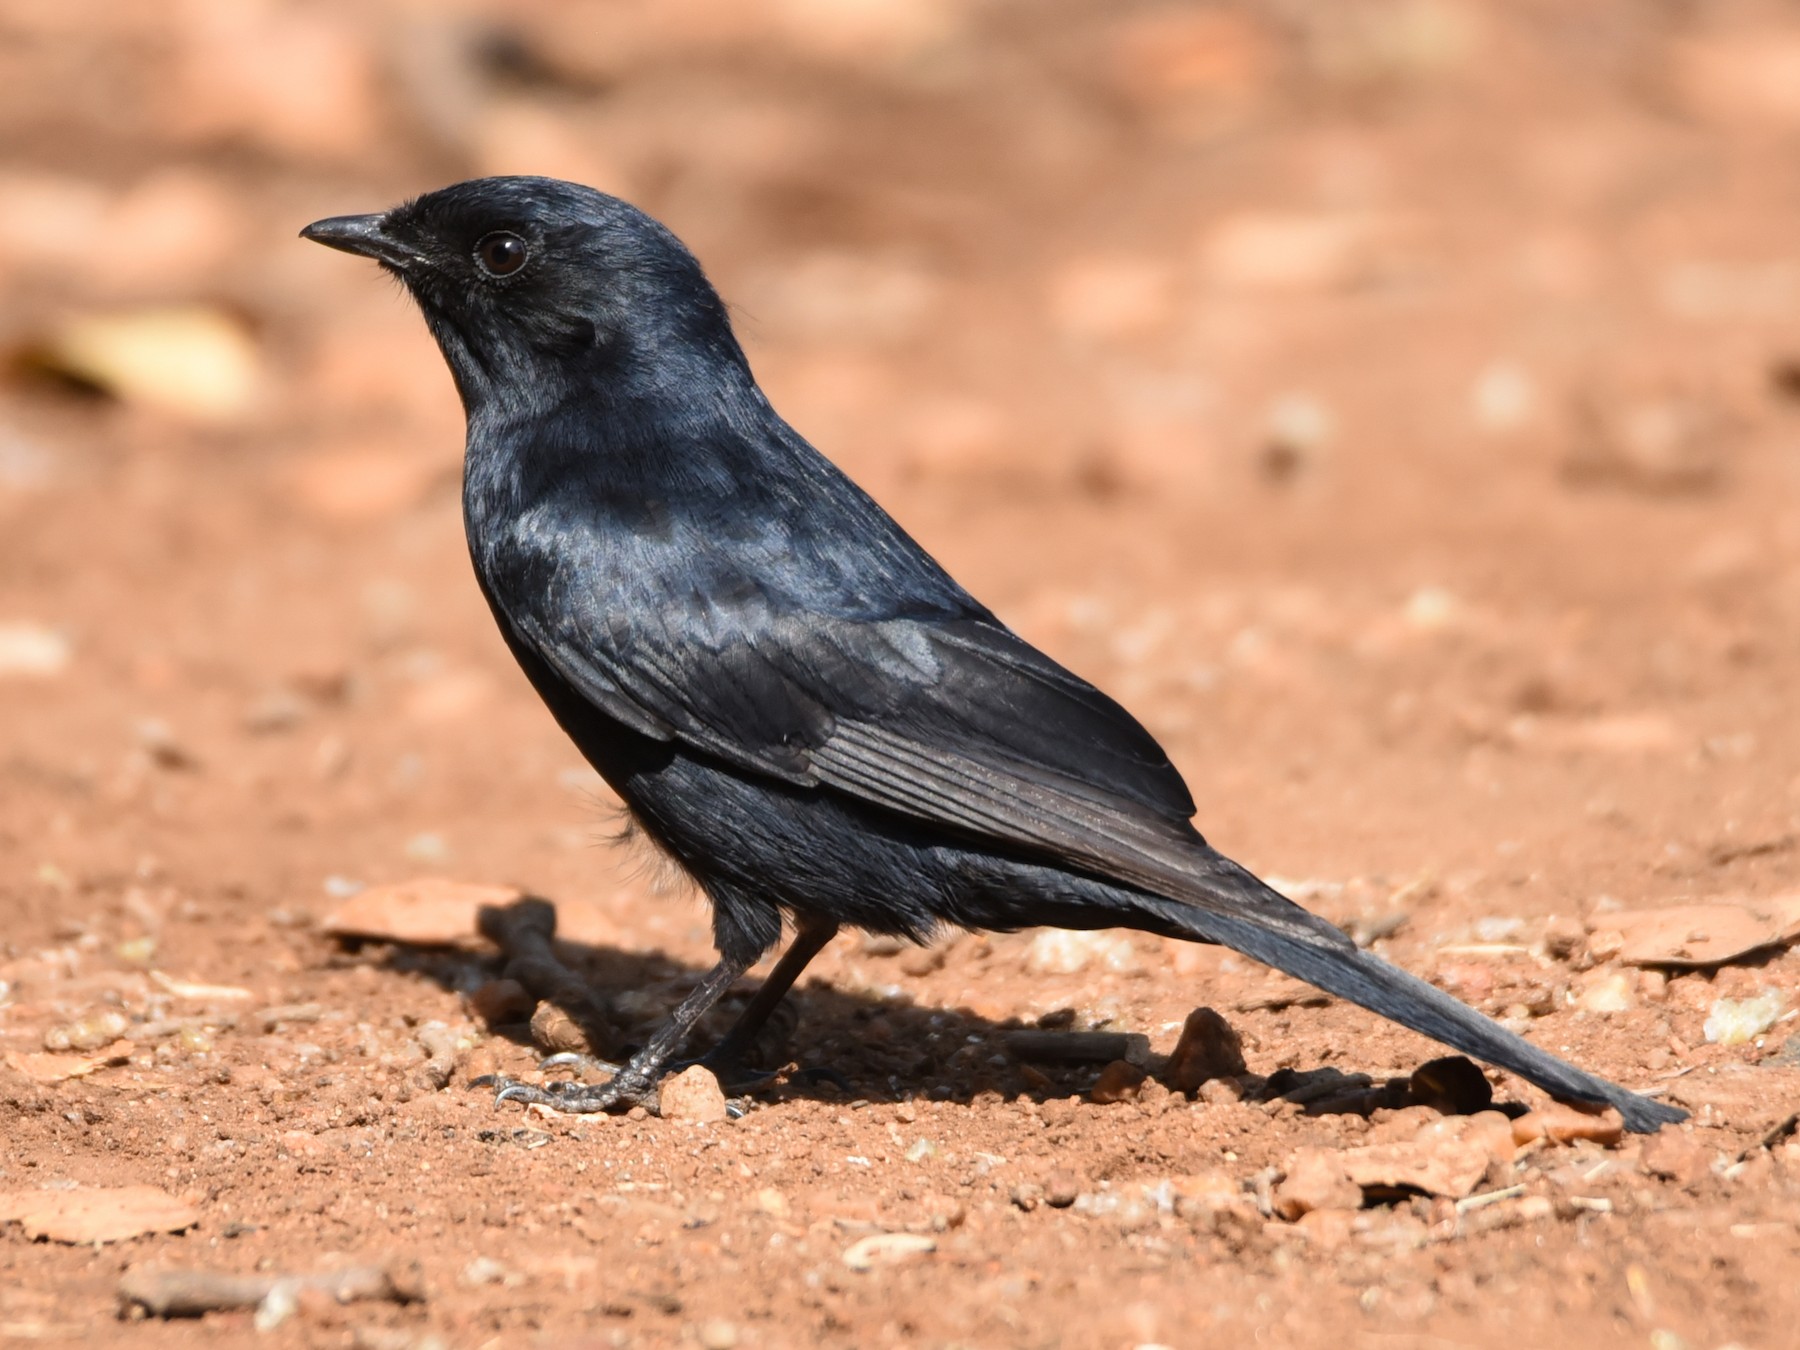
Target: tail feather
{"type": "Point", "coordinates": [1339, 968]}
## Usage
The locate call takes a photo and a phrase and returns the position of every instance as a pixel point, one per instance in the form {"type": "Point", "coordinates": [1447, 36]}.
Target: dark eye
{"type": "Point", "coordinates": [501, 254]}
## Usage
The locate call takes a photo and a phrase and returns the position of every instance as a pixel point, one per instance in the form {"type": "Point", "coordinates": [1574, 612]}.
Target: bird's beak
{"type": "Point", "coordinates": [360, 234]}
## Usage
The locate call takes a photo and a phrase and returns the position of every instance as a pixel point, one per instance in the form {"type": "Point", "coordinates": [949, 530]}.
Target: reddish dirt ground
{"type": "Point", "coordinates": [1395, 407]}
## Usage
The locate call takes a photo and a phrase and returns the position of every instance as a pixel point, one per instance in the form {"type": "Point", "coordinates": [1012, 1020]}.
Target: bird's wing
{"type": "Point", "coordinates": [957, 723]}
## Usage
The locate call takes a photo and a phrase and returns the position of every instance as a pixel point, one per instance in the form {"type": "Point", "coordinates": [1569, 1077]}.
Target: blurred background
{"type": "Point", "coordinates": [1393, 401]}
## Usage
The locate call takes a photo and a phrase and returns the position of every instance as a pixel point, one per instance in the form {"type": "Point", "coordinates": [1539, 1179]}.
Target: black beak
{"type": "Point", "coordinates": [360, 234]}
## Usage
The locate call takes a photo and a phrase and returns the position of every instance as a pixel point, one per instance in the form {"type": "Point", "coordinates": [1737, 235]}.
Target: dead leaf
{"type": "Point", "coordinates": [102, 1215]}
{"type": "Point", "coordinates": [43, 1067]}
{"type": "Point", "coordinates": [1702, 935]}
{"type": "Point", "coordinates": [428, 912]}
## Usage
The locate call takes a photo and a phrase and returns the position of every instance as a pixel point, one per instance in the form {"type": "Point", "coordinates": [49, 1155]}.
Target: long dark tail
{"type": "Point", "coordinates": [1333, 963]}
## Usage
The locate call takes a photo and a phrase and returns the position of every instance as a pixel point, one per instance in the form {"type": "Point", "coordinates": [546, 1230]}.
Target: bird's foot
{"type": "Point", "coordinates": [625, 1089]}
{"type": "Point", "coordinates": [735, 1076]}
{"type": "Point", "coordinates": [591, 1065]}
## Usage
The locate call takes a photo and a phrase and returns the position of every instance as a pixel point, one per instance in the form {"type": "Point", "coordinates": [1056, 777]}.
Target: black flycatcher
{"type": "Point", "coordinates": [793, 699]}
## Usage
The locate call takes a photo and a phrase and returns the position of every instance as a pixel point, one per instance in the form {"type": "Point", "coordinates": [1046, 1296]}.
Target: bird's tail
{"type": "Point", "coordinates": [1336, 965]}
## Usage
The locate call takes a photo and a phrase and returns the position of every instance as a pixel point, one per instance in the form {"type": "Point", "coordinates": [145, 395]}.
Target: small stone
{"type": "Point", "coordinates": [1221, 1091]}
{"type": "Point", "coordinates": [887, 1249]}
{"type": "Point", "coordinates": [1448, 1157]}
{"type": "Point", "coordinates": [88, 1033]}
{"type": "Point", "coordinates": [1061, 1189]}
{"type": "Point", "coordinates": [1316, 1179]}
{"type": "Point", "coordinates": [502, 1002]}
{"type": "Point", "coordinates": [1734, 1021]}
{"type": "Point", "coordinates": [483, 1270]}
{"type": "Point", "coordinates": [1563, 936]}
{"type": "Point", "coordinates": [1608, 991]}
{"type": "Point", "coordinates": [945, 1212]}
{"type": "Point", "coordinates": [1677, 1157]}
{"type": "Point", "coordinates": [1208, 1048]}
{"type": "Point", "coordinates": [1120, 1081]}
{"type": "Point", "coordinates": [718, 1334]}
{"type": "Point", "coordinates": [773, 1203]}
{"type": "Point", "coordinates": [280, 1303]}
{"type": "Point", "coordinates": [1028, 1195]}
{"type": "Point", "coordinates": [1203, 1196]}
{"type": "Point", "coordinates": [1328, 1229]}
{"type": "Point", "coordinates": [32, 650]}
{"type": "Point", "coordinates": [693, 1095]}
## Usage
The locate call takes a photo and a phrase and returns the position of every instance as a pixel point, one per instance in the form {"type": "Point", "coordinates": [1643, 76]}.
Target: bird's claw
{"type": "Point", "coordinates": [621, 1092]}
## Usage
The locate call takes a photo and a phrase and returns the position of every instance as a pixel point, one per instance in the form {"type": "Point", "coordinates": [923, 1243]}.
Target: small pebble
{"type": "Point", "coordinates": [1221, 1091]}
{"type": "Point", "coordinates": [1315, 1180]}
{"type": "Point", "coordinates": [886, 1249]}
{"type": "Point", "coordinates": [1734, 1021]}
{"type": "Point", "coordinates": [1563, 936]}
{"type": "Point", "coordinates": [1028, 1195]}
{"type": "Point", "coordinates": [1061, 1189]}
{"type": "Point", "coordinates": [1676, 1157]}
{"type": "Point", "coordinates": [483, 1270]}
{"type": "Point", "coordinates": [88, 1033]}
{"type": "Point", "coordinates": [1209, 1048]}
{"type": "Point", "coordinates": [1120, 1081]}
{"type": "Point", "coordinates": [1609, 991]}
{"type": "Point", "coordinates": [693, 1095]}
{"type": "Point", "coordinates": [32, 650]}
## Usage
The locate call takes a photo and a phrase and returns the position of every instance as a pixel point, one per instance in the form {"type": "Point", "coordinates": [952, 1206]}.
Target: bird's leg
{"type": "Point", "coordinates": [726, 1058]}
{"type": "Point", "coordinates": [631, 1085]}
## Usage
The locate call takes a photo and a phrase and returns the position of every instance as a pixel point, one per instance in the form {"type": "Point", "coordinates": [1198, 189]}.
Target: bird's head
{"type": "Point", "coordinates": [535, 288]}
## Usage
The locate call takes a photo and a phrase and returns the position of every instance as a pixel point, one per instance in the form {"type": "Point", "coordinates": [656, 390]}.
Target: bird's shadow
{"type": "Point", "coordinates": [840, 1045]}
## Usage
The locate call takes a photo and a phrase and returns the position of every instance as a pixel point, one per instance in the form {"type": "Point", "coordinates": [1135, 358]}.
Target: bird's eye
{"type": "Point", "coordinates": [501, 253]}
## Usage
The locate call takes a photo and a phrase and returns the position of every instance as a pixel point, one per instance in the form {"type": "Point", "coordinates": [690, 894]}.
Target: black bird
{"type": "Point", "coordinates": [793, 699]}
